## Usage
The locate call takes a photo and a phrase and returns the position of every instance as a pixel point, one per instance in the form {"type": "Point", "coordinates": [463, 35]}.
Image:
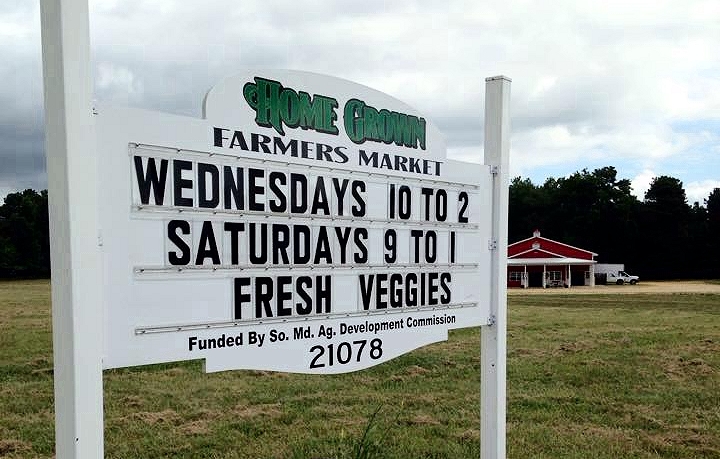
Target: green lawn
{"type": "Point", "coordinates": [589, 376]}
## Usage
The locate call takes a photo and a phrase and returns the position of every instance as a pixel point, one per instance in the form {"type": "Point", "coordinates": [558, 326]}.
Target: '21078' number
{"type": "Point", "coordinates": [343, 353]}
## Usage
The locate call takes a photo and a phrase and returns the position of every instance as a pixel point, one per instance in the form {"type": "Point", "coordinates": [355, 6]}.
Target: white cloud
{"type": "Point", "coordinates": [699, 191]}
{"type": "Point", "coordinates": [117, 83]}
{"type": "Point", "coordinates": [641, 183]}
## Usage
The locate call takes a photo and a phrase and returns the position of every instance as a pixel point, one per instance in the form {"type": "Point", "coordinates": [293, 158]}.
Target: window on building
{"type": "Point", "coordinates": [515, 276]}
{"type": "Point", "coordinates": [554, 275]}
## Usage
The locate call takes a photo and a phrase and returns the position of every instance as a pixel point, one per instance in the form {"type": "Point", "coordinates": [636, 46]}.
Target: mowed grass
{"type": "Point", "coordinates": [589, 376]}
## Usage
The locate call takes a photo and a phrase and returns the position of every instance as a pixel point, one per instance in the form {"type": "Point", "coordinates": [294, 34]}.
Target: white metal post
{"type": "Point", "coordinates": [75, 259]}
{"type": "Point", "coordinates": [494, 340]}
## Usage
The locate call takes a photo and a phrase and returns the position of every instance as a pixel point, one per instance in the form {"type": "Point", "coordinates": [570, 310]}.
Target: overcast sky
{"type": "Point", "coordinates": [630, 84]}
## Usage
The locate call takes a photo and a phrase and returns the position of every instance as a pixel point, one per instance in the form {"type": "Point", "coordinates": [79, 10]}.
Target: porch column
{"type": "Point", "coordinates": [544, 279]}
{"type": "Point", "coordinates": [569, 276]}
{"type": "Point", "coordinates": [592, 275]}
{"type": "Point", "coordinates": [525, 277]}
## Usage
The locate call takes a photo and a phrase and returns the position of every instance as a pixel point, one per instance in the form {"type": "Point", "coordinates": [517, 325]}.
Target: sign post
{"type": "Point", "coordinates": [494, 339]}
{"type": "Point", "coordinates": [73, 208]}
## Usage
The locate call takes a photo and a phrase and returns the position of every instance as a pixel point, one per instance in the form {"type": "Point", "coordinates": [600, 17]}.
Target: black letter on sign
{"type": "Point", "coordinates": [380, 302]}
{"type": "Point", "coordinates": [426, 192]}
{"type": "Point", "coordinates": [432, 288]}
{"type": "Point", "coordinates": [263, 297]}
{"type": "Point", "coordinates": [180, 183]}
{"type": "Point", "coordinates": [280, 243]}
{"type": "Point", "coordinates": [151, 180]}
{"type": "Point", "coordinates": [323, 294]}
{"type": "Point", "coordinates": [323, 247]}
{"type": "Point", "coordinates": [218, 136]}
{"type": "Point", "coordinates": [203, 200]}
{"type": "Point", "coordinates": [358, 236]}
{"type": "Point", "coordinates": [441, 205]}
{"type": "Point", "coordinates": [304, 283]}
{"type": "Point", "coordinates": [320, 200]}
{"type": "Point", "coordinates": [340, 189]}
{"type": "Point", "coordinates": [430, 246]}
{"type": "Point", "coordinates": [262, 258]}
{"type": "Point", "coordinates": [184, 227]}
{"type": "Point", "coordinates": [390, 246]}
{"type": "Point", "coordinates": [234, 229]}
{"type": "Point", "coordinates": [343, 236]}
{"type": "Point", "coordinates": [301, 244]}
{"type": "Point", "coordinates": [298, 207]}
{"type": "Point", "coordinates": [240, 297]}
{"type": "Point", "coordinates": [396, 281]}
{"type": "Point", "coordinates": [358, 187]}
{"type": "Point", "coordinates": [452, 246]}
{"type": "Point", "coordinates": [233, 186]}
{"type": "Point", "coordinates": [283, 295]}
{"type": "Point", "coordinates": [254, 189]}
{"type": "Point", "coordinates": [463, 197]}
{"type": "Point", "coordinates": [207, 238]}
{"type": "Point", "coordinates": [366, 288]}
{"type": "Point", "coordinates": [416, 235]}
{"type": "Point", "coordinates": [411, 297]}
{"type": "Point", "coordinates": [445, 279]}
{"type": "Point", "coordinates": [391, 195]}
{"type": "Point", "coordinates": [279, 204]}
{"type": "Point", "coordinates": [405, 202]}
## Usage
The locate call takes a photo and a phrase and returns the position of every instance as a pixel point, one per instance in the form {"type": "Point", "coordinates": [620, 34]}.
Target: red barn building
{"type": "Point", "coordinates": [542, 262]}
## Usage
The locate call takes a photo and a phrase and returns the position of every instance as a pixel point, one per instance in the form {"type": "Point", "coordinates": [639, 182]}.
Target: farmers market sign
{"type": "Point", "coordinates": [305, 224]}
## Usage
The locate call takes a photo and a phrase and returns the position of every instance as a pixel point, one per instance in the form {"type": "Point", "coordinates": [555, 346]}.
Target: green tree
{"type": "Point", "coordinates": [593, 210]}
{"type": "Point", "coordinates": [666, 229]}
{"type": "Point", "coordinates": [528, 209]}
{"type": "Point", "coordinates": [24, 235]}
{"type": "Point", "coordinates": [712, 205]}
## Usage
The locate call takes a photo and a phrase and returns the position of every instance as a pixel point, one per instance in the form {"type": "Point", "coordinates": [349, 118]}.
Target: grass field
{"type": "Point", "coordinates": [589, 376]}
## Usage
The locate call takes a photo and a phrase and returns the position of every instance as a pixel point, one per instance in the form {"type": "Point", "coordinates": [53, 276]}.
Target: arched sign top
{"type": "Point", "coordinates": [323, 109]}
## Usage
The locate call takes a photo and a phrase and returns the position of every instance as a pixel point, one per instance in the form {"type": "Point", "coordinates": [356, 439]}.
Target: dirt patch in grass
{"type": "Point", "coordinates": [199, 427]}
{"type": "Point", "coordinates": [643, 415]}
{"type": "Point", "coordinates": [692, 440]}
{"type": "Point", "coordinates": [574, 346]}
{"type": "Point", "coordinates": [267, 374]}
{"type": "Point", "coordinates": [272, 410]}
{"type": "Point", "coordinates": [527, 352]}
{"type": "Point", "coordinates": [611, 434]}
{"type": "Point", "coordinates": [132, 401]}
{"type": "Point", "coordinates": [703, 346]}
{"type": "Point", "coordinates": [413, 371]}
{"type": "Point", "coordinates": [681, 368]}
{"type": "Point", "coordinates": [423, 420]}
{"type": "Point", "coordinates": [157, 417]}
{"type": "Point", "coordinates": [8, 447]}
{"type": "Point", "coordinates": [469, 435]}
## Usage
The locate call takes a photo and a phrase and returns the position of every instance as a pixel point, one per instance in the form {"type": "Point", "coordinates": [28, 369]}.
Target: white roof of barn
{"type": "Point", "coordinates": [548, 261]}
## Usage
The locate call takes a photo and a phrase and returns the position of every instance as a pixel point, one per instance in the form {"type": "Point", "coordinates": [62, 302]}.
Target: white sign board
{"type": "Point", "coordinates": [306, 224]}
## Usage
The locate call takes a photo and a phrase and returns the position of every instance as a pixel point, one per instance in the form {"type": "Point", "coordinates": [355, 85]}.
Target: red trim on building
{"type": "Point", "coordinates": [536, 256]}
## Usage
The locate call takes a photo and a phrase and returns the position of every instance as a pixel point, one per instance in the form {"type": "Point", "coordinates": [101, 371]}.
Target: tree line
{"type": "Point", "coordinates": [659, 237]}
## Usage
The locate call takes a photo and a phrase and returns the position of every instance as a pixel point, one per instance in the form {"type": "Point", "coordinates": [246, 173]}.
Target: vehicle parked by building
{"type": "Point", "coordinates": [622, 278]}
{"type": "Point", "coordinates": [608, 273]}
